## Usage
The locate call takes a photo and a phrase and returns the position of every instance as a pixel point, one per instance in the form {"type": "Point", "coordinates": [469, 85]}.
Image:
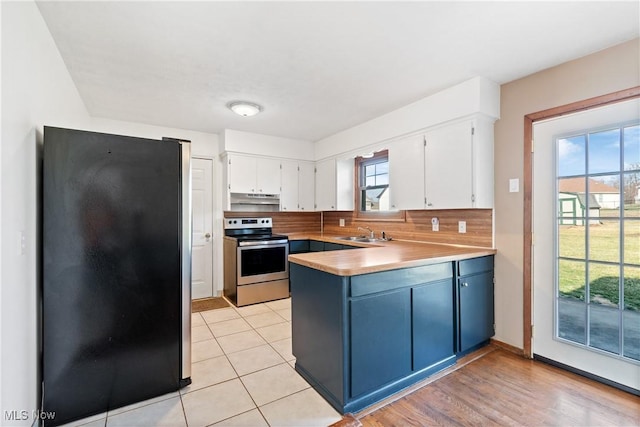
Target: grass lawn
{"type": "Point", "coordinates": [604, 245]}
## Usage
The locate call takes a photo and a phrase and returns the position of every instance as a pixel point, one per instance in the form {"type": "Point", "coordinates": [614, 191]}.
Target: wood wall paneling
{"type": "Point", "coordinates": [418, 226]}
{"type": "Point", "coordinates": [286, 222]}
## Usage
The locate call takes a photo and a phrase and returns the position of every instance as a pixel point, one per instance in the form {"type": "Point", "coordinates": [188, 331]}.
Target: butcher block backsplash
{"type": "Point", "coordinates": [417, 226]}
{"type": "Point", "coordinates": [286, 222]}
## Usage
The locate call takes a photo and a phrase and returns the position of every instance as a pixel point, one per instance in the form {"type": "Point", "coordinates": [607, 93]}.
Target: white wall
{"type": "Point", "coordinates": [36, 91]}
{"type": "Point", "coordinates": [477, 95]}
{"type": "Point", "coordinates": [266, 145]}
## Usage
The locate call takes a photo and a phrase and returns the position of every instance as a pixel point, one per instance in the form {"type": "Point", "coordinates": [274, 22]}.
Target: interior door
{"type": "Point", "coordinates": [202, 249]}
{"type": "Point", "coordinates": [574, 254]}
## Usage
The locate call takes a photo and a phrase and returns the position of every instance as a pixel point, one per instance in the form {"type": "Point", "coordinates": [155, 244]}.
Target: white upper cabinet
{"type": "Point", "coordinates": [406, 173]}
{"type": "Point", "coordinates": [448, 167]}
{"type": "Point", "coordinates": [248, 174]}
{"type": "Point", "coordinates": [334, 184]}
{"type": "Point", "coordinates": [268, 180]}
{"type": "Point", "coordinates": [297, 186]}
{"type": "Point", "coordinates": [289, 194]}
{"type": "Point", "coordinates": [241, 174]}
{"type": "Point", "coordinates": [325, 183]}
{"type": "Point", "coordinates": [483, 173]}
{"type": "Point", "coordinates": [306, 186]}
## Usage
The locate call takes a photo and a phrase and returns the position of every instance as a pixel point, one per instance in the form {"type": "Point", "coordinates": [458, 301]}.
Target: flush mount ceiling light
{"type": "Point", "coordinates": [244, 108]}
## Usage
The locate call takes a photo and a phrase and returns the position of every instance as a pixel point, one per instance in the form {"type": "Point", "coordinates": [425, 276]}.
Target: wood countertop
{"type": "Point", "coordinates": [380, 256]}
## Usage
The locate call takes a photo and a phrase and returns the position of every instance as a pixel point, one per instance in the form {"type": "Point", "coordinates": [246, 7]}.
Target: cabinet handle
{"type": "Point", "coordinates": [465, 284]}
{"type": "Point", "coordinates": [429, 204]}
{"type": "Point", "coordinates": [301, 208]}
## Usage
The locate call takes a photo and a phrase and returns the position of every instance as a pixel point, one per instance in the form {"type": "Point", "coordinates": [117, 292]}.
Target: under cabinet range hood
{"type": "Point", "coordinates": [254, 202]}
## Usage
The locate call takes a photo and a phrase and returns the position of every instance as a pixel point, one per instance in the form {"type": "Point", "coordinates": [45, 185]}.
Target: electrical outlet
{"type": "Point", "coordinates": [341, 222]}
{"type": "Point", "coordinates": [462, 226]}
{"type": "Point", "coordinates": [435, 224]}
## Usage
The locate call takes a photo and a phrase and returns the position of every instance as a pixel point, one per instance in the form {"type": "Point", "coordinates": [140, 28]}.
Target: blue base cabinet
{"type": "Point", "coordinates": [433, 323]}
{"type": "Point", "coordinates": [380, 339]}
{"type": "Point", "coordinates": [303, 246]}
{"type": "Point", "coordinates": [360, 339]}
{"type": "Point", "coordinates": [475, 303]}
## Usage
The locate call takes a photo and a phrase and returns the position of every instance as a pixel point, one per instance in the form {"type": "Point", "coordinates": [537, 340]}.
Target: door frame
{"type": "Point", "coordinates": [529, 120]}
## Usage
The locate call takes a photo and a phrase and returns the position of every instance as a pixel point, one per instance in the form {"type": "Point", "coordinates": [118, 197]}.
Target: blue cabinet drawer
{"type": "Point", "coordinates": [475, 265]}
{"type": "Point", "coordinates": [365, 284]}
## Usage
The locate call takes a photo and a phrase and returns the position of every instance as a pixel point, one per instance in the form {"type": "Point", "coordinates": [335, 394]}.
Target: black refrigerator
{"type": "Point", "coordinates": [116, 273]}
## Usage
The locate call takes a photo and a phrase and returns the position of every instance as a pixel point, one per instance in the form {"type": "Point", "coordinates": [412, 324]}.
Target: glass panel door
{"type": "Point", "coordinates": [586, 243]}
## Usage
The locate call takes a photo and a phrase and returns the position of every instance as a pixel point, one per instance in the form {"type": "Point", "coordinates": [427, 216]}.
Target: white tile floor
{"type": "Point", "coordinates": [242, 375]}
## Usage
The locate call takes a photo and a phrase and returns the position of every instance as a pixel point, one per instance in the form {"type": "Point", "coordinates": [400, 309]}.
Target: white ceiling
{"type": "Point", "coordinates": [316, 67]}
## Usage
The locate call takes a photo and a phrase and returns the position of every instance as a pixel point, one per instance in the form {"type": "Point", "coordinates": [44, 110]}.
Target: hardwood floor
{"type": "Point", "coordinates": [502, 388]}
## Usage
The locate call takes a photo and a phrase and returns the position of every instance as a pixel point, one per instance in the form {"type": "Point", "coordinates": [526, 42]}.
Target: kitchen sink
{"type": "Point", "coordinates": [359, 239]}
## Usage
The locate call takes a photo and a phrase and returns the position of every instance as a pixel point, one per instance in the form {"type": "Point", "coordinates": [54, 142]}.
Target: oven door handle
{"type": "Point", "coordinates": [263, 242]}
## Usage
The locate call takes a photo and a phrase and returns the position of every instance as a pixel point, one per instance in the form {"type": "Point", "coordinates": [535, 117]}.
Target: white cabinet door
{"type": "Point", "coordinates": [268, 176]}
{"type": "Point", "coordinates": [326, 185]}
{"type": "Point", "coordinates": [306, 186]}
{"type": "Point", "coordinates": [289, 194]}
{"type": "Point", "coordinates": [406, 173]}
{"type": "Point", "coordinates": [241, 172]}
{"type": "Point", "coordinates": [449, 167]}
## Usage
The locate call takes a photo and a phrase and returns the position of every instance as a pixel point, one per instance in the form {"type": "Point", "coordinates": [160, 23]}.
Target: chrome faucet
{"type": "Point", "coordinates": [371, 234]}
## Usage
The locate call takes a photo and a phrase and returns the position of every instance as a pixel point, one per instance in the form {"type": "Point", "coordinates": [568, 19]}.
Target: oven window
{"type": "Point", "coordinates": [263, 261]}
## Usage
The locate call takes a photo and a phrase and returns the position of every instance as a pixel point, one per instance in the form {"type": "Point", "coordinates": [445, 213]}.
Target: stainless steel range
{"type": "Point", "coordinates": [256, 268]}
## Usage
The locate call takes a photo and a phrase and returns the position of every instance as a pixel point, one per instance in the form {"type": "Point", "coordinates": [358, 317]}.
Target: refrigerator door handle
{"type": "Point", "coordinates": [185, 251]}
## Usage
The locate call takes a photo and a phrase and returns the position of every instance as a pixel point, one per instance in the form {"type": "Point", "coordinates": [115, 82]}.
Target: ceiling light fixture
{"type": "Point", "coordinates": [244, 108]}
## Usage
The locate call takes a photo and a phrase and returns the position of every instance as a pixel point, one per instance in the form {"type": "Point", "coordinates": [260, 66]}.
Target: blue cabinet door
{"type": "Point", "coordinates": [316, 246]}
{"type": "Point", "coordinates": [332, 246]}
{"type": "Point", "coordinates": [476, 309]}
{"type": "Point", "coordinates": [433, 323]}
{"type": "Point", "coordinates": [298, 246]}
{"type": "Point", "coordinates": [380, 339]}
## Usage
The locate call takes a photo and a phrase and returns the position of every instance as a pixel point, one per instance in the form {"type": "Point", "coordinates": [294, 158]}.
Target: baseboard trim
{"type": "Point", "coordinates": [588, 375]}
{"type": "Point", "coordinates": [508, 347]}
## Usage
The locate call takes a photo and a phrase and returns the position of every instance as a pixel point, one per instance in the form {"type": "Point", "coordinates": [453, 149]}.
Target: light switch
{"type": "Point", "coordinates": [435, 224]}
{"type": "Point", "coordinates": [514, 185]}
{"type": "Point", "coordinates": [341, 222]}
{"type": "Point", "coordinates": [462, 226]}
